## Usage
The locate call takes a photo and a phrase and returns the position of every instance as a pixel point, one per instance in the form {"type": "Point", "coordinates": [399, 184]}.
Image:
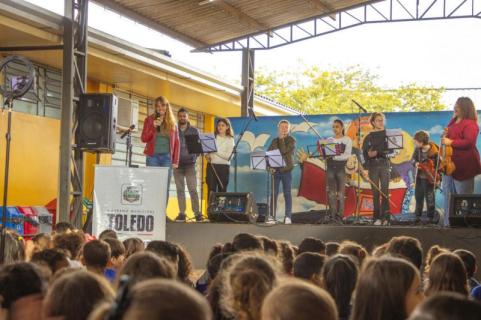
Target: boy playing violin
{"type": "Point", "coordinates": [424, 158]}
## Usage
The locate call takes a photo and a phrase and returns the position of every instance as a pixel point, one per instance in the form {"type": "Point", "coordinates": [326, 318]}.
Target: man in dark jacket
{"type": "Point", "coordinates": [286, 145]}
{"type": "Point", "coordinates": [186, 170]}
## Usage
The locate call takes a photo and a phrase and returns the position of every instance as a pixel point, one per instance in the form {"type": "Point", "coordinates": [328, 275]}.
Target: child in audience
{"type": "Point", "coordinates": [117, 257]}
{"type": "Point", "coordinates": [447, 273]}
{"type": "Point", "coordinates": [54, 259]}
{"type": "Point", "coordinates": [96, 256]}
{"type": "Point", "coordinates": [298, 300]}
{"type": "Point", "coordinates": [72, 242]}
{"type": "Point", "coordinates": [311, 244]}
{"type": "Point", "coordinates": [165, 250]}
{"type": "Point", "coordinates": [332, 248]}
{"type": "Point", "coordinates": [469, 260]}
{"type": "Point", "coordinates": [447, 306]}
{"type": "Point", "coordinates": [388, 288]}
{"type": "Point", "coordinates": [133, 245]}
{"type": "Point", "coordinates": [108, 233]}
{"type": "Point", "coordinates": [287, 256]}
{"type": "Point", "coordinates": [433, 252]}
{"type": "Point", "coordinates": [408, 248]}
{"type": "Point", "coordinates": [339, 278]}
{"type": "Point", "coordinates": [354, 249]}
{"type": "Point", "coordinates": [308, 266]}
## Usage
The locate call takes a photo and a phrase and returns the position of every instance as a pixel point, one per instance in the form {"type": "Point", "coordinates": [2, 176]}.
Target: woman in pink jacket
{"type": "Point", "coordinates": [161, 136]}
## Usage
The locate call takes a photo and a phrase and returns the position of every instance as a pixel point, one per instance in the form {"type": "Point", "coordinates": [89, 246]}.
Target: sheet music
{"type": "Point", "coordinates": [274, 157]}
{"type": "Point", "coordinates": [258, 160]}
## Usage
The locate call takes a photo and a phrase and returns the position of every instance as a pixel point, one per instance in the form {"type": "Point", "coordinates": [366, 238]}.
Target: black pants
{"type": "Point", "coordinates": [213, 183]}
{"type": "Point", "coordinates": [336, 182]}
{"type": "Point", "coordinates": [379, 173]}
{"type": "Point", "coordinates": [424, 190]}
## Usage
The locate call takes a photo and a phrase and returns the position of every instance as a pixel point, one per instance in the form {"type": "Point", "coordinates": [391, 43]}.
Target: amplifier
{"type": "Point", "coordinates": [233, 207]}
{"type": "Point", "coordinates": [465, 210]}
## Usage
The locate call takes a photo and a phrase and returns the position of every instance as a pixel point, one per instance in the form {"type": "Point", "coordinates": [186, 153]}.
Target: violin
{"type": "Point", "coordinates": [446, 165]}
{"type": "Point", "coordinates": [429, 169]}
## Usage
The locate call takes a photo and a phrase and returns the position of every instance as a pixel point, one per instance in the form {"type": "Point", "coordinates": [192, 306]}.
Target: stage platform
{"type": "Point", "coordinates": [198, 238]}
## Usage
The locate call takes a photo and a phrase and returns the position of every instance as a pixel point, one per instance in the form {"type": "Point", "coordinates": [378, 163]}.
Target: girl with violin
{"type": "Point", "coordinates": [461, 157]}
{"type": "Point", "coordinates": [424, 158]}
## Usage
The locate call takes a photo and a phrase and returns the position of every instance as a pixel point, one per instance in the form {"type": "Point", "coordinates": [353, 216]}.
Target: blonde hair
{"type": "Point", "coordinates": [168, 124]}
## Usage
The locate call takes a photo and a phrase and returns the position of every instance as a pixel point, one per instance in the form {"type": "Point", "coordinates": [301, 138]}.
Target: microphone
{"type": "Point", "coordinates": [252, 113]}
{"type": "Point", "coordinates": [126, 132]}
{"type": "Point", "coordinates": [157, 116]}
{"type": "Point", "coordinates": [360, 107]}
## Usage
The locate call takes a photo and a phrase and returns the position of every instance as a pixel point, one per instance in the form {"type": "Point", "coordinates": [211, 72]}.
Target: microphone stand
{"type": "Point", "coordinates": [8, 138]}
{"type": "Point", "coordinates": [128, 155]}
{"type": "Point", "coordinates": [357, 218]}
{"type": "Point", "coordinates": [252, 116]}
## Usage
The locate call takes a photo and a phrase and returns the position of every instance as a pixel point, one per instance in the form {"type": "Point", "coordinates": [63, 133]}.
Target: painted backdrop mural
{"type": "Point", "coordinates": [308, 186]}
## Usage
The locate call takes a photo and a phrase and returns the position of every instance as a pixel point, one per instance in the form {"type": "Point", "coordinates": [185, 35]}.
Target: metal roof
{"type": "Point", "coordinates": [205, 24]}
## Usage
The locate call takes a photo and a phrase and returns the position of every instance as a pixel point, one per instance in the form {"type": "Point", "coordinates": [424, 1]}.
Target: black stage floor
{"type": "Point", "coordinates": [198, 238]}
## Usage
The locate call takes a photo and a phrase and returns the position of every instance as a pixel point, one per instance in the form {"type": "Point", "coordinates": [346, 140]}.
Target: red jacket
{"type": "Point", "coordinates": [465, 154]}
{"type": "Point", "coordinates": [149, 134]}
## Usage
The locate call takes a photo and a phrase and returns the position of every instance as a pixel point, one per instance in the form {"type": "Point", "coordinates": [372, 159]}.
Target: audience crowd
{"type": "Point", "coordinates": [72, 276]}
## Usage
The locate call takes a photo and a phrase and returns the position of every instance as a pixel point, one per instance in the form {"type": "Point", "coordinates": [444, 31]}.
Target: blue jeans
{"type": "Point", "coordinates": [161, 160]}
{"type": "Point", "coordinates": [453, 186]}
{"type": "Point", "coordinates": [286, 179]}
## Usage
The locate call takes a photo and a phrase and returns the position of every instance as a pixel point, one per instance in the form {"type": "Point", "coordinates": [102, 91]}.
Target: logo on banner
{"type": "Point", "coordinates": [131, 194]}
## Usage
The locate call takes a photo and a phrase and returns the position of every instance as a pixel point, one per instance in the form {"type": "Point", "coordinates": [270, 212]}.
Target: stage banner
{"type": "Point", "coordinates": [130, 201]}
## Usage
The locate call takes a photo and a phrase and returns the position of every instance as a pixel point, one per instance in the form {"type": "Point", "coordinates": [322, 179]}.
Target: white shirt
{"type": "Point", "coordinates": [225, 145]}
{"type": "Point", "coordinates": [347, 151]}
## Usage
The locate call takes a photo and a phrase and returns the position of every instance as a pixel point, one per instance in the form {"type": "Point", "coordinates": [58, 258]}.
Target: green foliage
{"type": "Point", "coordinates": [316, 91]}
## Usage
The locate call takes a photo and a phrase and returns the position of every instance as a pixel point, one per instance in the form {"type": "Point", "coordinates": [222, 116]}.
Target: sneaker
{"type": "Point", "coordinates": [180, 218]}
{"type": "Point", "coordinates": [378, 222]}
{"type": "Point", "coordinates": [270, 220]}
{"type": "Point", "coordinates": [287, 220]}
{"type": "Point", "coordinates": [199, 218]}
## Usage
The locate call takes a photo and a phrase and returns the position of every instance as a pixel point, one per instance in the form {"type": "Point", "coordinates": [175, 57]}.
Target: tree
{"type": "Point", "coordinates": [313, 90]}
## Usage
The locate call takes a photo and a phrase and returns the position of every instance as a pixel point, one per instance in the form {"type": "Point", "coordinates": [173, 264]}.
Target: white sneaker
{"type": "Point", "coordinates": [378, 222]}
{"type": "Point", "coordinates": [287, 220]}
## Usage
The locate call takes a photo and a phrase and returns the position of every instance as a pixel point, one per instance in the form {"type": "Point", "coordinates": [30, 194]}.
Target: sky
{"type": "Point", "coordinates": [441, 53]}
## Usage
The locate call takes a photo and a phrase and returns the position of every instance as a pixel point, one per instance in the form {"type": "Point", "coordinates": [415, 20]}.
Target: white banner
{"type": "Point", "coordinates": [130, 201]}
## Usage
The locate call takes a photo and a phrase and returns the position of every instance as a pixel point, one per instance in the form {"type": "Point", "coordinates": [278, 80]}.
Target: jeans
{"type": "Point", "coordinates": [453, 186]}
{"type": "Point", "coordinates": [286, 179]}
{"type": "Point", "coordinates": [380, 174]}
{"type": "Point", "coordinates": [217, 177]}
{"type": "Point", "coordinates": [336, 181]}
{"type": "Point", "coordinates": [424, 190]}
{"type": "Point", "coordinates": [182, 175]}
{"type": "Point", "coordinates": [161, 160]}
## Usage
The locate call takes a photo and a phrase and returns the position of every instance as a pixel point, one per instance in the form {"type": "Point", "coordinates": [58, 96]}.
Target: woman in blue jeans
{"type": "Point", "coordinates": [161, 136]}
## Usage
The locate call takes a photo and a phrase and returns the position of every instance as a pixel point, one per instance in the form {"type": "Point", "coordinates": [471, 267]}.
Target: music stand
{"type": "Point", "coordinates": [394, 139]}
{"type": "Point", "coordinates": [202, 143]}
{"type": "Point", "coordinates": [265, 160]}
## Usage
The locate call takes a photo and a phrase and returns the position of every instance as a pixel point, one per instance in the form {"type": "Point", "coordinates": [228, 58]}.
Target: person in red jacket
{"type": "Point", "coordinates": [462, 135]}
{"type": "Point", "coordinates": [161, 136]}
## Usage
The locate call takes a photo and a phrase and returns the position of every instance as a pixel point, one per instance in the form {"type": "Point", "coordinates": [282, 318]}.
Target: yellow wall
{"type": "Point", "coordinates": [34, 159]}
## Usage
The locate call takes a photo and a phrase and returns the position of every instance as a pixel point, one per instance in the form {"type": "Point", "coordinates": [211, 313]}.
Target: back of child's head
{"type": "Point", "coordinates": [54, 259]}
{"type": "Point", "coordinates": [469, 260]}
{"type": "Point", "coordinates": [447, 273]}
{"type": "Point", "coordinates": [166, 299]}
{"type": "Point", "coordinates": [14, 248]}
{"type": "Point", "coordinates": [332, 248]}
{"type": "Point", "coordinates": [270, 246]}
{"type": "Point", "coordinates": [339, 278]}
{"type": "Point", "coordinates": [433, 252]}
{"type": "Point", "coordinates": [146, 265]}
{"type": "Point", "coordinates": [308, 266]}
{"type": "Point", "coordinates": [408, 248]}
{"type": "Point", "coordinates": [108, 233]}
{"type": "Point", "coordinates": [246, 242]}
{"type": "Point", "coordinates": [353, 249]}
{"type": "Point", "coordinates": [447, 306]}
{"type": "Point", "coordinates": [117, 248]}
{"type": "Point", "coordinates": [70, 241]}
{"type": "Point", "coordinates": [41, 241]}
{"type": "Point", "coordinates": [133, 245]}
{"type": "Point", "coordinates": [311, 244]}
{"type": "Point", "coordinates": [164, 249]}
{"type": "Point", "coordinates": [214, 263]}
{"type": "Point", "coordinates": [248, 281]}
{"type": "Point", "coordinates": [286, 256]}
{"type": "Point", "coordinates": [300, 300]}
{"type": "Point", "coordinates": [96, 254]}
{"type": "Point", "coordinates": [62, 227]}
{"type": "Point", "coordinates": [74, 294]}
{"type": "Point", "coordinates": [18, 280]}
{"type": "Point", "coordinates": [380, 250]}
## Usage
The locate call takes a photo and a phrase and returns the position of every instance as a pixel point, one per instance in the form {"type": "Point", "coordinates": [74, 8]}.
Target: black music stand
{"type": "Point", "coordinates": [202, 143]}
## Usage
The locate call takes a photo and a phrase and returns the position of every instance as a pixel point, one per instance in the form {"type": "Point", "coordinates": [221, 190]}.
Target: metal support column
{"type": "Point", "coordinates": [247, 98]}
{"type": "Point", "coordinates": [74, 75]}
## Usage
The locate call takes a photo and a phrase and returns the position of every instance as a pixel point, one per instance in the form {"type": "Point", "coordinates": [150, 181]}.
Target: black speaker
{"type": "Point", "coordinates": [233, 207]}
{"type": "Point", "coordinates": [97, 122]}
{"type": "Point", "coordinates": [465, 210]}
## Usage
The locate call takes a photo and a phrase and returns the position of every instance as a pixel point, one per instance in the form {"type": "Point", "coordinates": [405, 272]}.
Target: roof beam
{"type": "Point", "coordinates": [237, 13]}
{"type": "Point", "coordinates": [324, 6]}
{"type": "Point", "coordinates": [114, 6]}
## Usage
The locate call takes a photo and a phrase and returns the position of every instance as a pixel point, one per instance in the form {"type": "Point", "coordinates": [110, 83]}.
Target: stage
{"type": "Point", "coordinates": [198, 238]}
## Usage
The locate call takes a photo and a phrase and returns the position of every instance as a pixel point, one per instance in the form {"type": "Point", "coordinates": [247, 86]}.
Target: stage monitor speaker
{"type": "Point", "coordinates": [465, 210]}
{"type": "Point", "coordinates": [233, 207]}
{"type": "Point", "coordinates": [97, 122]}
